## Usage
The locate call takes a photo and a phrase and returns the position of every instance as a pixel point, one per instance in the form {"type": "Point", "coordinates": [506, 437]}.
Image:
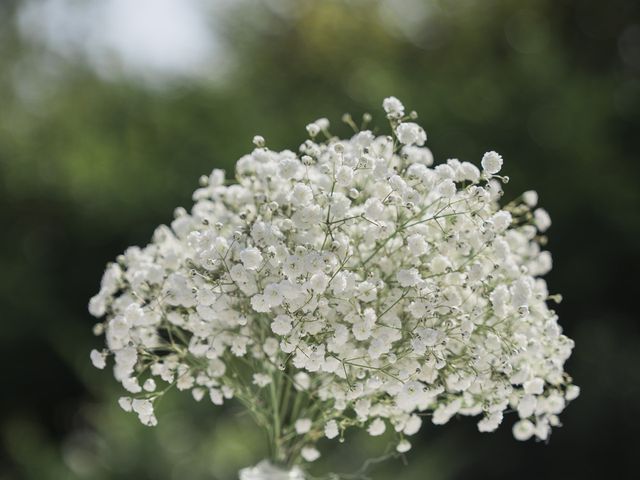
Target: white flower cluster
{"type": "Point", "coordinates": [350, 285]}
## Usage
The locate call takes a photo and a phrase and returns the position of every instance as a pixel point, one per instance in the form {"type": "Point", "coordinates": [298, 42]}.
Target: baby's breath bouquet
{"type": "Point", "coordinates": [349, 285]}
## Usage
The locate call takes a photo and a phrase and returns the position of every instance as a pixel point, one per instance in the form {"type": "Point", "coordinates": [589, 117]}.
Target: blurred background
{"type": "Point", "coordinates": [110, 110]}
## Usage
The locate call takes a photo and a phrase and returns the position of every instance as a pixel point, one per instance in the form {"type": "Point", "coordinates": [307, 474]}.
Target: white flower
{"type": "Point", "coordinates": [403, 446]}
{"type": "Point", "coordinates": [374, 209]}
{"type": "Point", "coordinates": [523, 430]}
{"type": "Point", "coordinates": [534, 386]}
{"type": "Point", "coordinates": [142, 406]}
{"type": "Point", "coordinates": [445, 411]}
{"type": "Point", "coordinates": [354, 273]}
{"type": "Point", "coordinates": [413, 425]}
{"type": "Point", "coordinates": [554, 404]}
{"type": "Point", "coordinates": [301, 195]}
{"type": "Point", "coordinates": [393, 107]}
{"type": "Point", "coordinates": [131, 385]}
{"type": "Point", "coordinates": [331, 429]}
{"type": "Point", "coordinates": [260, 303]}
{"type": "Point", "coordinates": [281, 325]}
{"type": "Point", "coordinates": [303, 425]}
{"type": "Point", "coordinates": [530, 198]}
{"type": "Point", "coordinates": [148, 420]}
{"type": "Point", "coordinates": [490, 422]}
{"type": "Point", "coordinates": [98, 359]}
{"type": "Point", "coordinates": [198, 394]}
{"type": "Point", "coordinates": [310, 454]}
{"type": "Point", "coordinates": [377, 427]}
{"type": "Point", "coordinates": [408, 278]}
{"type": "Point", "coordinates": [439, 264]}
{"type": "Point", "coordinates": [125, 403]}
{"type": "Point", "coordinates": [302, 381]}
{"type": "Point", "coordinates": [361, 331]}
{"type": "Point", "coordinates": [251, 258]}
{"type": "Point", "coordinates": [542, 429]}
{"type": "Point", "coordinates": [216, 396]}
{"type": "Point", "coordinates": [469, 171]}
{"type": "Point", "coordinates": [272, 295]}
{"type": "Point", "coordinates": [261, 379]}
{"type": "Point", "coordinates": [491, 162]}
{"type": "Point", "coordinates": [319, 282]}
{"type": "Point", "coordinates": [447, 188]}
{"type": "Point", "coordinates": [429, 336]}
{"type": "Point", "coordinates": [344, 176]}
{"type": "Point", "coordinates": [417, 245]}
{"type": "Point", "coordinates": [573, 391]}
{"type": "Point", "coordinates": [323, 123]}
{"type": "Point", "coordinates": [542, 219]}
{"type": "Point", "coordinates": [520, 293]}
{"type": "Point", "coordinates": [271, 347]}
{"type": "Point", "coordinates": [144, 409]}
{"type": "Point", "coordinates": [313, 129]}
{"type": "Point", "coordinates": [185, 381]}
{"type": "Point", "coordinates": [527, 406]}
{"type": "Point", "coordinates": [410, 133]}
{"type": "Point", "coordinates": [149, 385]}
{"type": "Point", "coordinates": [289, 167]}
{"type": "Point", "coordinates": [501, 220]}
{"type": "Point", "coordinates": [97, 305]}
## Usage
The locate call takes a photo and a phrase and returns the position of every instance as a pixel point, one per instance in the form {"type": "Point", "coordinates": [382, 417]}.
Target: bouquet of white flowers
{"type": "Point", "coordinates": [350, 285]}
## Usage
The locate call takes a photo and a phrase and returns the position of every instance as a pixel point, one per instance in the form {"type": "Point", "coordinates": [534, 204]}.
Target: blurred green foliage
{"type": "Point", "coordinates": [89, 166]}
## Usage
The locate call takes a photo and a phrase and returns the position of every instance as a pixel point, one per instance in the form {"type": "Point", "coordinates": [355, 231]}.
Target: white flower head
{"type": "Point", "coordinates": [377, 427]}
{"type": "Point", "coordinates": [542, 219]}
{"type": "Point", "coordinates": [409, 277]}
{"type": "Point", "coordinates": [573, 391]}
{"type": "Point", "coordinates": [98, 359]}
{"type": "Point", "coordinates": [417, 244]}
{"type": "Point", "coordinates": [354, 275]}
{"type": "Point", "coordinates": [261, 379]}
{"type": "Point", "coordinates": [125, 403]}
{"type": "Point", "coordinates": [530, 198]}
{"type": "Point", "coordinates": [344, 176]}
{"type": "Point", "coordinates": [149, 385]}
{"type": "Point", "coordinates": [403, 446]}
{"type": "Point", "coordinates": [331, 429]}
{"type": "Point", "coordinates": [310, 454]}
{"type": "Point", "coordinates": [491, 162]}
{"type": "Point", "coordinates": [301, 195]}
{"type": "Point", "coordinates": [410, 133]}
{"type": "Point", "coordinates": [251, 258]}
{"type": "Point", "coordinates": [393, 107]}
{"type": "Point", "coordinates": [313, 129]}
{"type": "Point", "coordinates": [523, 430]}
{"type": "Point", "coordinates": [281, 325]}
{"type": "Point", "coordinates": [303, 425]}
